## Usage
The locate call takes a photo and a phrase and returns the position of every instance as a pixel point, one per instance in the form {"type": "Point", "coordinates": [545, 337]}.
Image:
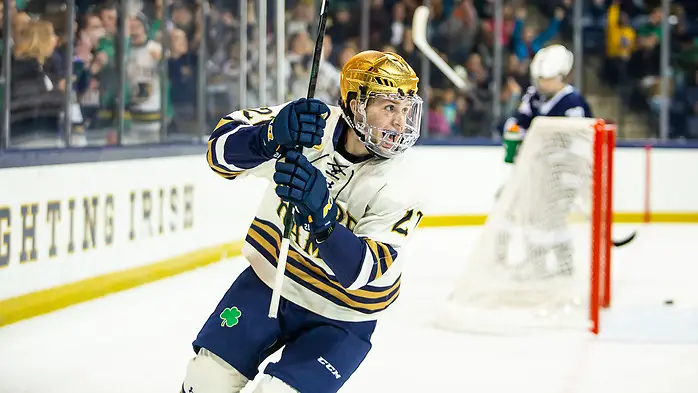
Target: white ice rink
{"type": "Point", "coordinates": [139, 341]}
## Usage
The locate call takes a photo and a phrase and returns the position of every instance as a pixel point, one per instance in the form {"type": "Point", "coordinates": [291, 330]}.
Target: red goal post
{"type": "Point", "coordinates": [602, 218]}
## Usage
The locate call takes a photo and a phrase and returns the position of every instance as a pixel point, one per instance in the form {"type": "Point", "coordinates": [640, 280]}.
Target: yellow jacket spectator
{"type": "Point", "coordinates": [620, 36]}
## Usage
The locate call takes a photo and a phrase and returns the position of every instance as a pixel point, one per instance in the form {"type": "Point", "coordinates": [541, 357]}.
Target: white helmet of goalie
{"type": "Point", "coordinates": [550, 67]}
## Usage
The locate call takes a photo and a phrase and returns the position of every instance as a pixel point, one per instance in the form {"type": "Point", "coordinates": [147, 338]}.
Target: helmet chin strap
{"type": "Point", "coordinates": [362, 138]}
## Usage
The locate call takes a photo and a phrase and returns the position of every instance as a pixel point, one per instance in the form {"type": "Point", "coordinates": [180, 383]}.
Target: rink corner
{"type": "Point", "coordinates": [41, 302]}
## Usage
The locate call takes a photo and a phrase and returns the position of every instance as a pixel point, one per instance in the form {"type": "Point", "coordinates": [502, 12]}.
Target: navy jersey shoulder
{"type": "Point", "coordinates": [568, 103]}
{"type": "Point", "coordinates": [571, 105]}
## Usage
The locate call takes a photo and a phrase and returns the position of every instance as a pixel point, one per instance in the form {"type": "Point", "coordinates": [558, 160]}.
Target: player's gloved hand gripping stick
{"type": "Point", "coordinates": [313, 107]}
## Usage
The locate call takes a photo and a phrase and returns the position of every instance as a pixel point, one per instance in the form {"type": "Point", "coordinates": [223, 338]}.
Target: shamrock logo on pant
{"type": "Point", "coordinates": [230, 316]}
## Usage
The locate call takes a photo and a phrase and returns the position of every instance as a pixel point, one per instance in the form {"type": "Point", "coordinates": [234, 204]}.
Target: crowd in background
{"type": "Point", "coordinates": [626, 35]}
{"type": "Point", "coordinates": [623, 35]}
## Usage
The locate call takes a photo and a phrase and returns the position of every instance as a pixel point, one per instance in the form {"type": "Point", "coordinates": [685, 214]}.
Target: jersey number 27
{"type": "Point", "coordinates": [401, 225]}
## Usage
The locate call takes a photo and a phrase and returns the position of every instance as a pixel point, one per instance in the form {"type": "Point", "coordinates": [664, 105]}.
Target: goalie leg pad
{"type": "Point", "coordinates": [208, 373]}
{"type": "Point", "coordinates": [270, 384]}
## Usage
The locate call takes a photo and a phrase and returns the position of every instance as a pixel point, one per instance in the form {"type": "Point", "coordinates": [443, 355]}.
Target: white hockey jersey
{"type": "Point", "coordinates": [376, 200]}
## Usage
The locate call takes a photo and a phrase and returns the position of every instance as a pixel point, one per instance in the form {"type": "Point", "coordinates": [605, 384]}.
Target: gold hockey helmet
{"type": "Point", "coordinates": [373, 77]}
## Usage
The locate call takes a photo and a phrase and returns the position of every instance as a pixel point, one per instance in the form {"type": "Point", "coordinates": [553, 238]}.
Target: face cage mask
{"type": "Point", "coordinates": [385, 142]}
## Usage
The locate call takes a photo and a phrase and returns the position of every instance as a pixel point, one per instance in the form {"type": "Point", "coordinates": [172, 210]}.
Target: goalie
{"type": "Point", "coordinates": [542, 214]}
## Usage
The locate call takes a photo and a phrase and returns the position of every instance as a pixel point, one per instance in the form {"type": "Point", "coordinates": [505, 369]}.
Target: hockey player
{"type": "Point", "coordinates": [355, 211]}
{"type": "Point", "coordinates": [549, 95]}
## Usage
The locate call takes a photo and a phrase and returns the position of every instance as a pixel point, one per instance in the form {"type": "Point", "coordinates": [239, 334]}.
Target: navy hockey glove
{"type": "Point", "coordinates": [301, 122]}
{"type": "Point", "coordinates": [303, 185]}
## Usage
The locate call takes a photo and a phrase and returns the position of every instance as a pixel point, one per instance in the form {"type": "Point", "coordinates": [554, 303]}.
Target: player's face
{"type": "Point", "coordinates": [388, 114]}
{"type": "Point", "coordinates": [549, 85]}
{"type": "Point", "coordinates": [137, 31]}
{"type": "Point", "coordinates": [389, 122]}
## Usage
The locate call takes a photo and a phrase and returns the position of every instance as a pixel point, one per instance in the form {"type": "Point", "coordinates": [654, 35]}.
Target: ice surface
{"type": "Point", "coordinates": [139, 340]}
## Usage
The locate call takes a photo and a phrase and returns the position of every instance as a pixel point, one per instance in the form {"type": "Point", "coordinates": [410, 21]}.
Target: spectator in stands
{"type": "Point", "coordinates": [379, 24]}
{"type": "Point", "coordinates": [437, 123]}
{"type": "Point", "coordinates": [302, 17]}
{"type": "Point", "coordinates": [104, 66]}
{"type": "Point", "coordinates": [480, 96]}
{"type": "Point", "coordinates": [298, 64]}
{"type": "Point", "coordinates": [36, 102]}
{"type": "Point", "coordinates": [644, 66]}
{"type": "Point", "coordinates": [686, 53]}
{"type": "Point", "coordinates": [399, 24]}
{"type": "Point", "coordinates": [343, 28]}
{"type": "Point", "coordinates": [90, 32]}
{"type": "Point", "coordinates": [182, 67]}
{"type": "Point", "coordinates": [620, 43]}
{"type": "Point", "coordinates": [508, 24]}
{"type": "Point", "coordinates": [526, 42]}
{"type": "Point", "coordinates": [456, 34]}
{"type": "Point", "coordinates": [183, 19]}
{"type": "Point", "coordinates": [144, 80]}
{"type": "Point", "coordinates": [477, 72]}
{"type": "Point", "coordinates": [222, 32]}
{"type": "Point", "coordinates": [55, 68]}
{"type": "Point", "coordinates": [652, 24]}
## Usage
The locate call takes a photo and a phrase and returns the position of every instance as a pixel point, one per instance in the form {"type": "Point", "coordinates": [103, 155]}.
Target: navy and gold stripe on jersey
{"type": "Point", "coordinates": [383, 257]}
{"type": "Point", "coordinates": [243, 152]}
{"type": "Point", "coordinates": [265, 237]}
{"type": "Point", "coordinates": [215, 164]}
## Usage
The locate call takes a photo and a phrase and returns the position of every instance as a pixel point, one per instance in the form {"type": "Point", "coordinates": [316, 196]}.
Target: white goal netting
{"type": "Point", "coordinates": [531, 267]}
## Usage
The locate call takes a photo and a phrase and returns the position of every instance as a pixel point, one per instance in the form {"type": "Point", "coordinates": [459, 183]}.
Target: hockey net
{"type": "Point", "coordinates": [543, 257]}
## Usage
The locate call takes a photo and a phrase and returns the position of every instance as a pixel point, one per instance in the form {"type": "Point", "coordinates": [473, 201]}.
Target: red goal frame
{"type": "Point", "coordinates": [601, 220]}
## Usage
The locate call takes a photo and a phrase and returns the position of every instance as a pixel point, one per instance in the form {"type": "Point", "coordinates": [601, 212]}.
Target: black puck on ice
{"type": "Point", "coordinates": [669, 302]}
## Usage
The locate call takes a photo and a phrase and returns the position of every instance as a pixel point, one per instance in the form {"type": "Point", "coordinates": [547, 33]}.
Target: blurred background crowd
{"type": "Point", "coordinates": [170, 69]}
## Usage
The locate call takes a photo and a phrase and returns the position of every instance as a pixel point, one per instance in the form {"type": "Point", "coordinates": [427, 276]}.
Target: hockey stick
{"type": "Point", "coordinates": [616, 243]}
{"type": "Point", "coordinates": [622, 242]}
{"type": "Point", "coordinates": [288, 217]}
{"type": "Point", "coordinates": [419, 36]}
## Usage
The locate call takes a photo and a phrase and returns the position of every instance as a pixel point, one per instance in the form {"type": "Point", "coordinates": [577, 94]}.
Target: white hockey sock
{"type": "Point", "coordinates": [208, 373]}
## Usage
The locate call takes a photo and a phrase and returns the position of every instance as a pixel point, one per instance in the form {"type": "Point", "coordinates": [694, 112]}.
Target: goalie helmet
{"type": "Point", "coordinates": [550, 62]}
{"type": "Point", "coordinates": [381, 78]}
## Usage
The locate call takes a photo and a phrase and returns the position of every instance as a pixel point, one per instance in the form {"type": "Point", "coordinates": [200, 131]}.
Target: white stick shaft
{"type": "Point", "coordinates": [279, 279]}
{"type": "Point", "coordinates": [419, 36]}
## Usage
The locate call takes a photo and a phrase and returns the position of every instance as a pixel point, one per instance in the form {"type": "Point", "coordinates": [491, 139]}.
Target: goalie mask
{"type": "Point", "coordinates": [380, 102]}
